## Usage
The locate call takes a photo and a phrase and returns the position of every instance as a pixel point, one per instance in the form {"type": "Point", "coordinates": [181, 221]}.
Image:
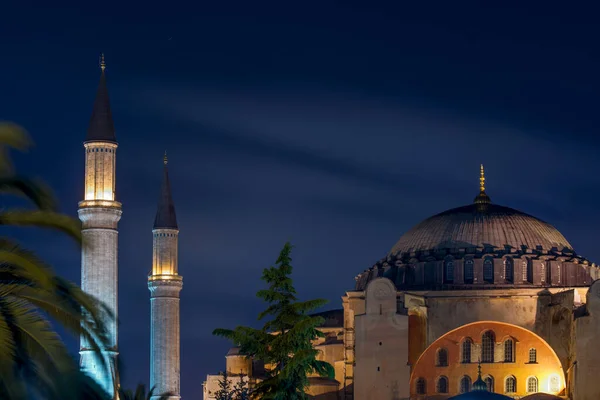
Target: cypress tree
{"type": "Point", "coordinates": [284, 343]}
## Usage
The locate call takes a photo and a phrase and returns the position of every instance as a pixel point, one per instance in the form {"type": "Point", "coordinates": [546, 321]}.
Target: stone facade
{"type": "Point", "coordinates": [99, 262]}
{"type": "Point", "coordinates": [165, 336]}
{"type": "Point", "coordinates": [586, 368]}
{"type": "Point", "coordinates": [381, 350]}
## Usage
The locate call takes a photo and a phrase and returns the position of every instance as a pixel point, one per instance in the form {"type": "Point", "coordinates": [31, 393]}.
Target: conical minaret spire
{"type": "Point", "coordinates": [165, 213]}
{"type": "Point", "coordinates": [165, 283]}
{"type": "Point", "coordinates": [101, 127]}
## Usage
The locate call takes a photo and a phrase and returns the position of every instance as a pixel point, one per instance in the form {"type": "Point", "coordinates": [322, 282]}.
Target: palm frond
{"type": "Point", "coordinates": [34, 190]}
{"type": "Point", "coordinates": [43, 219]}
{"type": "Point", "coordinates": [11, 136]}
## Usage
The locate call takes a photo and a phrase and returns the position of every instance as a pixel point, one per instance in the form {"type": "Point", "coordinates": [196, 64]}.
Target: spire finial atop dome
{"type": "Point", "coordinates": [482, 198]}
{"type": "Point", "coordinates": [482, 180]}
{"type": "Point", "coordinates": [479, 385]}
{"type": "Point", "coordinates": [102, 62]}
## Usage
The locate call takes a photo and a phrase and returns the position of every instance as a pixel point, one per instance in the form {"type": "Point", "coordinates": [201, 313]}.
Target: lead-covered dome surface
{"type": "Point", "coordinates": [479, 226]}
{"type": "Point", "coordinates": [479, 246]}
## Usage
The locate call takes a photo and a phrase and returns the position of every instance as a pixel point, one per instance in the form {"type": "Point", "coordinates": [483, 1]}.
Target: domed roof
{"type": "Point", "coordinates": [480, 396]}
{"type": "Point", "coordinates": [477, 226]}
{"type": "Point", "coordinates": [480, 225]}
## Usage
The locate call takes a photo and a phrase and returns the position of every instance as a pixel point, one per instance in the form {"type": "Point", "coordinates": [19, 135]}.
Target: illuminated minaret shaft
{"type": "Point", "coordinates": [100, 214]}
{"type": "Point", "coordinates": [165, 284]}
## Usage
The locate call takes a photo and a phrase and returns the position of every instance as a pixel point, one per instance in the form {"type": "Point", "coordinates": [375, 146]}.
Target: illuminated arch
{"type": "Point", "coordinates": [549, 372]}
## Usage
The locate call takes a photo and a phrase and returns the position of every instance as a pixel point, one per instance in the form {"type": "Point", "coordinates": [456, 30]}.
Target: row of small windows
{"type": "Point", "coordinates": [164, 235]}
{"type": "Point", "coordinates": [100, 150]}
{"type": "Point", "coordinates": [465, 384]}
{"type": "Point", "coordinates": [488, 342]}
{"type": "Point", "coordinates": [488, 271]}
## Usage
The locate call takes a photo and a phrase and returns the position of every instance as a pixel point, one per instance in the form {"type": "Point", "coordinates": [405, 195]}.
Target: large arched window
{"type": "Point", "coordinates": [488, 270]}
{"type": "Point", "coordinates": [421, 386]}
{"type": "Point", "coordinates": [509, 351]}
{"type": "Point", "coordinates": [465, 384]}
{"type": "Point", "coordinates": [532, 356]}
{"type": "Point", "coordinates": [442, 385]}
{"type": "Point", "coordinates": [488, 341]}
{"type": "Point", "coordinates": [442, 358]}
{"type": "Point", "coordinates": [448, 271]}
{"type": "Point", "coordinates": [532, 384]}
{"type": "Point", "coordinates": [468, 273]}
{"type": "Point", "coordinates": [466, 351]}
{"type": "Point", "coordinates": [489, 382]}
{"type": "Point", "coordinates": [510, 385]}
{"type": "Point", "coordinates": [509, 270]}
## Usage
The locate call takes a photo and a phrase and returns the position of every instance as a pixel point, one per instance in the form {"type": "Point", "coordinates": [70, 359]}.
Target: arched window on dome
{"type": "Point", "coordinates": [509, 270]}
{"type": "Point", "coordinates": [509, 351]}
{"type": "Point", "coordinates": [421, 386]}
{"type": "Point", "coordinates": [468, 273]}
{"type": "Point", "coordinates": [488, 270]}
{"type": "Point", "coordinates": [442, 358]}
{"type": "Point", "coordinates": [488, 341]}
{"type": "Point", "coordinates": [489, 382]}
{"type": "Point", "coordinates": [510, 385]}
{"type": "Point", "coordinates": [448, 271]}
{"type": "Point", "coordinates": [465, 384]}
{"type": "Point", "coordinates": [532, 384]}
{"type": "Point", "coordinates": [442, 385]}
{"type": "Point", "coordinates": [466, 351]}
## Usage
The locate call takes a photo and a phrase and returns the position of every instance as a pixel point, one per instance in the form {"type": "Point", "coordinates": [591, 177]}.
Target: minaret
{"type": "Point", "coordinates": [100, 214]}
{"type": "Point", "coordinates": [165, 284]}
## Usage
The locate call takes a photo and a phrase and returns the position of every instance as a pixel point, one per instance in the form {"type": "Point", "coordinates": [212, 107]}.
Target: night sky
{"type": "Point", "coordinates": [337, 127]}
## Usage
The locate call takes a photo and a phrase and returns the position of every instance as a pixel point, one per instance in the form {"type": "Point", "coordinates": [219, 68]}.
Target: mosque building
{"type": "Point", "coordinates": [477, 302]}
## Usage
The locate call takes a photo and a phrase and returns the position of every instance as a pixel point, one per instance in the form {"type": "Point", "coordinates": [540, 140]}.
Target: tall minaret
{"type": "Point", "coordinates": [100, 214]}
{"type": "Point", "coordinates": [165, 284]}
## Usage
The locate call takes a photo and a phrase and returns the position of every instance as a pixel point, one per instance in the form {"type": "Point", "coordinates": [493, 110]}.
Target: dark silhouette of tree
{"type": "Point", "coordinates": [284, 343]}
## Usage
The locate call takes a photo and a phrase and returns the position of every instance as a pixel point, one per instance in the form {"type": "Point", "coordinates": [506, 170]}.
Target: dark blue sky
{"type": "Point", "coordinates": [335, 125]}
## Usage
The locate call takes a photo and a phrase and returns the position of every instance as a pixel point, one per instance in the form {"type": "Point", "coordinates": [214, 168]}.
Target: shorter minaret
{"type": "Point", "coordinates": [165, 284]}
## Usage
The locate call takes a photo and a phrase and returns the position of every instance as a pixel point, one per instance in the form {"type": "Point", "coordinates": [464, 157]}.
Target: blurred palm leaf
{"type": "Point", "coordinates": [33, 359]}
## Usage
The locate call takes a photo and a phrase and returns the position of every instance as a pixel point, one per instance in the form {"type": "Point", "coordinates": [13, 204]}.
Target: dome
{"type": "Point", "coordinates": [481, 245]}
{"type": "Point", "coordinates": [481, 226]}
{"type": "Point", "coordinates": [480, 396]}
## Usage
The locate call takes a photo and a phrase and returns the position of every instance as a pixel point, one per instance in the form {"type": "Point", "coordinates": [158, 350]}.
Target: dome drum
{"type": "Point", "coordinates": [480, 271]}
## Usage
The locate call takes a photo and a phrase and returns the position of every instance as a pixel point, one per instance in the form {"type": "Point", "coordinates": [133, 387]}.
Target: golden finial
{"type": "Point", "coordinates": [482, 180]}
{"type": "Point", "coordinates": [165, 160]}
{"type": "Point", "coordinates": [102, 62]}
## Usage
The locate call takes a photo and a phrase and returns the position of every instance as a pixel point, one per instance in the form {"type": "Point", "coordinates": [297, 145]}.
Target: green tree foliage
{"type": "Point", "coordinates": [33, 359]}
{"type": "Point", "coordinates": [238, 391]}
{"type": "Point", "coordinates": [241, 389]}
{"type": "Point", "coordinates": [285, 340]}
{"type": "Point", "coordinates": [140, 394]}
{"type": "Point", "coordinates": [225, 391]}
